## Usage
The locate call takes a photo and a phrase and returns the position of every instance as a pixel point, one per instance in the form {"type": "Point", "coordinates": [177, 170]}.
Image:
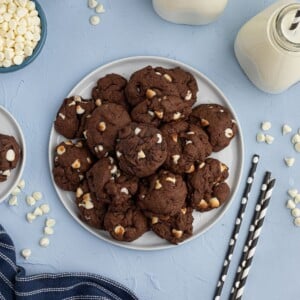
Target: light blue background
{"type": "Point", "coordinates": [73, 49]}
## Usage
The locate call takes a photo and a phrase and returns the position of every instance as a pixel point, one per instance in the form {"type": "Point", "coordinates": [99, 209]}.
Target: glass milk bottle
{"type": "Point", "coordinates": [268, 47]}
{"type": "Point", "coordinates": [191, 12]}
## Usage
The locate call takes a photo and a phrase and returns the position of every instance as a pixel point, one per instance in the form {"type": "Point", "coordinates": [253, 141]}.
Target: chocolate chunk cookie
{"type": "Point", "coordinates": [102, 172]}
{"type": "Point", "coordinates": [218, 122]}
{"type": "Point", "coordinates": [91, 211]}
{"type": "Point", "coordinates": [162, 194]}
{"type": "Point", "coordinates": [207, 189]}
{"type": "Point", "coordinates": [174, 229]}
{"type": "Point", "coordinates": [71, 117]}
{"type": "Point", "coordinates": [71, 162]}
{"type": "Point", "coordinates": [110, 89]}
{"type": "Point", "coordinates": [187, 144]}
{"type": "Point", "coordinates": [10, 153]}
{"type": "Point", "coordinates": [141, 149]}
{"type": "Point", "coordinates": [126, 226]}
{"type": "Point", "coordinates": [147, 83]}
{"type": "Point", "coordinates": [102, 128]}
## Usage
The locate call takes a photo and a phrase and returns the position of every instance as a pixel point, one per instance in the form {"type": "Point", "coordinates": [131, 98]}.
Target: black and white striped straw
{"type": "Point", "coordinates": [254, 241]}
{"type": "Point", "coordinates": [261, 199]}
{"type": "Point", "coordinates": [237, 226]}
{"type": "Point", "coordinates": [296, 21]}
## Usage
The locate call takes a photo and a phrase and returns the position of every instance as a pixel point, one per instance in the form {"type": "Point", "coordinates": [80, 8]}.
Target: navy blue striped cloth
{"type": "Point", "coordinates": [14, 284]}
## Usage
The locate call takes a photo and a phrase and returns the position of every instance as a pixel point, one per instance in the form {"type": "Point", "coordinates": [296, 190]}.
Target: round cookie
{"type": "Point", "coordinates": [91, 211]}
{"type": "Point", "coordinates": [187, 144]}
{"type": "Point", "coordinates": [71, 162]}
{"type": "Point", "coordinates": [162, 194]}
{"type": "Point", "coordinates": [126, 226]}
{"type": "Point", "coordinates": [147, 83]}
{"type": "Point", "coordinates": [102, 128]}
{"type": "Point", "coordinates": [218, 123]}
{"type": "Point", "coordinates": [174, 229]}
{"type": "Point", "coordinates": [110, 89]}
{"type": "Point", "coordinates": [71, 116]}
{"type": "Point", "coordinates": [10, 153]}
{"type": "Point", "coordinates": [140, 149]}
{"type": "Point", "coordinates": [207, 189]}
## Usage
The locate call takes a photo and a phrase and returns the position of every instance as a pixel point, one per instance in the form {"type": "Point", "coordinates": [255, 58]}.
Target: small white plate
{"type": "Point", "coordinates": [10, 126]}
{"type": "Point", "coordinates": [208, 93]}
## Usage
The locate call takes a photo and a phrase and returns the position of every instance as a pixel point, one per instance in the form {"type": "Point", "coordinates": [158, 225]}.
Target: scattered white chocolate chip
{"type": "Point", "coordinates": [137, 130]}
{"type": "Point", "coordinates": [141, 154]}
{"type": "Point", "coordinates": [296, 138]}
{"type": "Point", "coordinates": [37, 196]}
{"type": "Point", "coordinates": [26, 253]}
{"type": "Point", "coordinates": [50, 222]}
{"type": "Point", "coordinates": [297, 198]}
{"type": "Point", "coordinates": [175, 159]}
{"type": "Point", "coordinates": [94, 20]}
{"type": "Point", "coordinates": [77, 98]}
{"type": "Point", "coordinates": [92, 3]}
{"type": "Point", "coordinates": [289, 161]}
{"type": "Point", "coordinates": [297, 147]}
{"type": "Point", "coordinates": [269, 139]}
{"type": "Point", "coordinates": [293, 192]}
{"type": "Point", "coordinates": [21, 184]}
{"type": "Point", "coordinates": [158, 185]}
{"type": "Point", "coordinates": [37, 212]}
{"type": "Point", "coordinates": [30, 200]}
{"type": "Point", "coordinates": [44, 242]}
{"type": "Point", "coordinates": [16, 191]}
{"type": "Point", "coordinates": [296, 212]}
{"type": "Point", "coordinates": [48, 230]}
{"type": "Point", "coordinates": [45, 208]}
{"type": "Point", "coordinates": [30, 217]}
{"type": "Point", "coordinates": [159, 138]}
{"type": "Point", "coordinates": [13, 201]}
{"type": "Point", "coordinates": [10, 155]}
{"type": "Point", "coordinates": [286, 129]}
{"type": "Point", "coordinates": [266, 125]}
{"type": "Point", "coordinates": [260, 137]}
{"type": "Point", "coordinates": [100, 9]}
{"type": "Point", "coordinates": [291, 204]}
{"type": "Point", "coordinates": [297, 222]}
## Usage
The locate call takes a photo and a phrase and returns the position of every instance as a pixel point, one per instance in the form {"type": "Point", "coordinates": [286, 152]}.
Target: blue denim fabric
{"type": "Point", "coordinates": [14, 284]}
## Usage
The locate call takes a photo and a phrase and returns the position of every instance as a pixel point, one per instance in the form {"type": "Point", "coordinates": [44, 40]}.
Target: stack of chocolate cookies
{"type": "Point", "coordinates": [138, 152]}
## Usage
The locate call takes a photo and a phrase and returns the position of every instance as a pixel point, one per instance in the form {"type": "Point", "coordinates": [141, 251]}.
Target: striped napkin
{"type": "Point", "coordinates": [14, 284]}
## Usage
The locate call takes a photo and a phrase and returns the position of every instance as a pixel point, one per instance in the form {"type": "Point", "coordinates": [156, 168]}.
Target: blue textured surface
{"type": "Point", "coordinates": [73, 49]}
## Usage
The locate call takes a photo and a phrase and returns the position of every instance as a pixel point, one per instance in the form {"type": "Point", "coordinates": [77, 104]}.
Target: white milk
{"type": "Point", "coordinates": [268, 50]}
{"type": "Point", "coordinates": [191, 12]}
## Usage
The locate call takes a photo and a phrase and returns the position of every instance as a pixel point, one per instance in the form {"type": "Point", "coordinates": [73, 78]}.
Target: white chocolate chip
{"type": "Point", "coordinates": [228, 133]}
{"type": "Point", "coordinates": [77, 98]}
{"type": "Point", "coordinates": [44, 242]}
{"type": "Point", "coordinates": [79, 110]}
{"type": "Point", "coordinates": [188, 142]}
{"type": "Point", "coordinates": [119, 154]}
{"type": "Point", "coordinates": [100, 9]}
{"type": "Point", "coordinates": [37, 196]}
{"type": "Point", "coordinates": [62, 116]}
{"type": "Point", "coordinates": [114, 170]}
{"type": "Point", "coordinates": [98, 102]}
{"type": "Point", "coordinates": [158, 185]}
{"type": "Point", "coordinates": [296, 138]}
{"type": "Point", "coordinates": [6, 173]}
{"type": "Point", "coordinates": [175, 159]}
{"type": "Point", "coordinates": [159, 114]}
{"type": "Point", "coordinates": [297, 147]}
{"type": "Point", "coordinates": [266, 125]}
{"type": "Point", "coordinates": [151, 113]}
{"type": "Point", "coordinates": [48, 230]}
{"type": "Point", "coordinates": [297, 222]}
{"type": "Point", "coordinates": [30, 217]}
{"type": "Point", "coordinates": [30, 200]}
{"type": "Point", "coordinates": [10, 155]}
{"type": "Point", "coordinates": [150, 94]}
{"type": "Point", "coordinates": [26, 253]}
{"type": "Point", "coordinates": [296, 212]}
{"type": "Point", "coordinates": [171, 179]}
{"type": "Point", "coordinates": [297, 199]}
{"type": "Point", "coordinates": [286, 129]}
{"type": "Point", "coordinates": [293, 192]}
{"type": "Point", "coordinates": [124, 190]}
{"type": "Point", "coordinates": [38, 212]}
{"type": "Point", "coordinates": [102, 126]}
{"type": "Point", "coordinates": [137, 130]}
{"type": "Point", "coordinates": [202, 165]}
{"type": "Point", "coordinates": [177, 116]}
{"type": "Point", "coordinates": [260, 137]}
{"type": "Point", "coordinates": [94, 20]}
{"type": "Point", "coordinates": [76, 164]}
{"type": "Point", "coordinates": [50, 222]}
{"type": "Point", "coordinates": [289, 161]}
{"type": "Point", "coordinates": [177, 233]}
{"type": "Point", "coordinates": [188, 96]}
{"type": "Point", "coordinates": [159, 138]}
{"type": "Point", "coordinates": [92, 3]}
{"type": "Point", "coordinates": [79, 192]}
{"type": "Point", "coordinates": [45, 208]}
{"type": "Point", "coordinates": [141, 154]}
{"type": "Point", "coordinates": [168, 77]}
{"type": "Point", "coordinates": [269, 139]}
{"type": "Point", "coordinates": [154, 220]}
{"type": "Point", "coordinates": [72, 103]}
{"type": "Point", "coordinates": [16, 191]}
{"type": "Point", "coordinates": [119, 230]}
{"type": "Point", "coordinates": [22, 184]}
{"type": "Point", "coordinates": [190, 133]}
{"type": "Point", "coordinates": [61, 150]}
{"type": "Point", "coordinates": [13, 201]}
{"type": "Point", "coordinates": [291, 204]}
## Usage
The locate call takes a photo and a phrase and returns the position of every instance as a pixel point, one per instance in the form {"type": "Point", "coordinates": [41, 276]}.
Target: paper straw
{"type": "Point", "coordinates": [237, 226]}
{"type": "Point", "coordinates": [259, 203]}
{"type": "Point", "coordinates": [296, 21]}
{"type": "Point", "coordinates": [254, 241]}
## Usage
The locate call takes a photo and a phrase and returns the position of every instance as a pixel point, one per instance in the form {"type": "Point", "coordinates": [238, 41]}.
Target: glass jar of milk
{"type": "Point", "coordinates": [268, 47]}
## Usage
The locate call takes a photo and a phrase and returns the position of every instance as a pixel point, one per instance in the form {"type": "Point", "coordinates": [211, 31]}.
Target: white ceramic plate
{"type": "Point", "coordinates": [9, 126]}
{"type": "Point", "coordinates": [208, 93]}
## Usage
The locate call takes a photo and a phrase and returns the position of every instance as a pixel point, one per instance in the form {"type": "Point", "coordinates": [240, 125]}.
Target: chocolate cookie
{"type": "Point", "coordinates": [187, 144]}
{"type": "Point", "coordinates": [71, 162]}
{"type": "Point", "coordinates": [9, 155]}
{"type": "Point", "coordinates": [174, 229]}
{"type": "Point", "coordinates": [162, 194]}
{"type": "Point", "coordinates": [141, 149]}
{"type": "Point", "coordinates": [126, 226]}
{"type": "Point", "coordinates": [147, 83]}
{"type": "Point", "coordinates": [207, 189]}
{"type": "Point", "coordinates": [91, 211]}
{"type": "Point", "coordinates": [71, 117]}
{"type": "Point", "coordinates": [102, 128]}
{"type": "Point", "coordinates": [110, 89]}
{"type": "Point", "coordinates": [161, 109]}
{"type": "Point", "coordinates": [218, 122]}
